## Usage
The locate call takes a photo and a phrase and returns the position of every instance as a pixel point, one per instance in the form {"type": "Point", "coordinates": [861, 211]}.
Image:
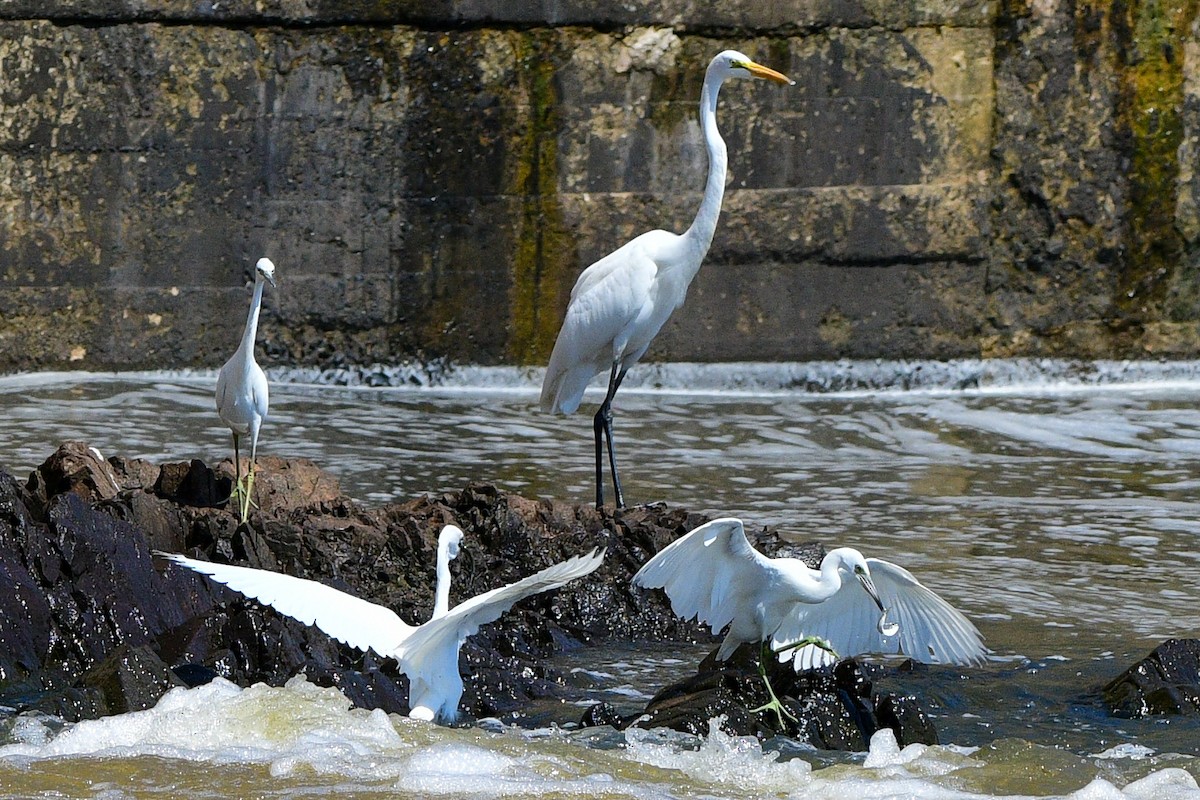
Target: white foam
{"type": "Point", "coordinates": [301, 730]}
{"type": "Point", "coordinates": [721, 759]}
{"type": "Point", "coordinates": [1136, 752]}
{"type": "Point", "coordinates": [845, 377]}
{"type": "Point", "coordinates": [286, 727]}
{"type": "Point", "coordinates": [466, 769]}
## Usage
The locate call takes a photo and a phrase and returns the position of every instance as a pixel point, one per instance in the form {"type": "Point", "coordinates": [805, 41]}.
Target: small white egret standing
{"type": "Point", "coordinates": [428, 653]}
{"type": "Point", "coordinates": [242, 390]}
{"type": "Point", "coordinates": [715, 575]}
{"type": "Point", "coordinates": [620, 302]}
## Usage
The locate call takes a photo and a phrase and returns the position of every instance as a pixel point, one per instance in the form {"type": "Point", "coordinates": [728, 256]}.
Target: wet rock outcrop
{"type": "Point", "coordinates": [93, 624]}
{"type": "Point", "coordinates": [835, 708]}
{"type": "Point", "coordinates": [1165, 682]}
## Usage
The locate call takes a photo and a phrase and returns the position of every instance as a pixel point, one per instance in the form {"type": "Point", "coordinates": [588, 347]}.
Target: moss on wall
{"type": "Point", "coordinates": [1155, 32]}
{"type": "Point", "coordinates": [543, 256]}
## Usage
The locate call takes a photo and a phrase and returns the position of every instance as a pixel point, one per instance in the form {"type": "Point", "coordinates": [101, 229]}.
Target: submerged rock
{"type": "Point", "coordinates": [1165, 682]}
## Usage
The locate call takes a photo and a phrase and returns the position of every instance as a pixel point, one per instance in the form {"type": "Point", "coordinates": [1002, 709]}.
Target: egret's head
{"type": "Point", "coordinates": [852, 561]}
{"type": "Point", "coordinates": [732, 64]}
{"type": "Point", "coordinates": [450, 540]}
{"type": "Point", "coordinates": [266, 269]}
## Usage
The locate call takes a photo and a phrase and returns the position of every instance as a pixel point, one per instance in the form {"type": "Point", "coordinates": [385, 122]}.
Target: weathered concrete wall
{"type": "Point", "coordinates": [945, 179]}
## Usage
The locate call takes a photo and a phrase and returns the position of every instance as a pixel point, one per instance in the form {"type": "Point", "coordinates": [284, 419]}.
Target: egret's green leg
{"type": "Point", "coordinates": [816, 641]}
{"type": "Point", "coordinates": [236, 491]}
{"type": "Point", "coordinates": [774, 704]}
{"type": "Point", "coordinates": [247, 493]}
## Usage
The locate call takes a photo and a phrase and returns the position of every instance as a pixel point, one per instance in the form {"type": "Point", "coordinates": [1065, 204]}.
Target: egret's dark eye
{"type": "Point", "coordinates": [858, 570]}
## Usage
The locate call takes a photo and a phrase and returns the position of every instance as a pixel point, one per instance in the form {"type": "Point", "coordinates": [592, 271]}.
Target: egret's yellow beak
{"type": "Point", "coordinates": [759, 71]}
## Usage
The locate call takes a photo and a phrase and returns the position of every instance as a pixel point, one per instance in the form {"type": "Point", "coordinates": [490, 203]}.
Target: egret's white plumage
{"type": "Point", "coordinates": [620, 303]}
{"type": "Point", "coordinates": [715, 575]}
{"type": "Point", "coordinates": [242, 390]}
{"type": "Point", "coordinates": [449, 543]}
{"type": "Point", "coordinates": [428, 653]}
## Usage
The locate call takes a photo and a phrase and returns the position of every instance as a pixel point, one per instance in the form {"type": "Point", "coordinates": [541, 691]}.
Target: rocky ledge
{"type": "Point", "coordinates": [93, 624]}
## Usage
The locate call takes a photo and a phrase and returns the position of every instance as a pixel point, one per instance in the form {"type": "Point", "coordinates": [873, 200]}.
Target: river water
{"type": "Point", "coordinates": [1055, 504]}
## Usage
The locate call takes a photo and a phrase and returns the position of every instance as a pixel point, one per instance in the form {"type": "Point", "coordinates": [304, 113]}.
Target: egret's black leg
{"type": "Point", "coordinates": [612, 456]}
{"type": "Point", "coordinates": [237, 462]}
{"type": "Point", "coordinates": [602, 426]}
{"type": "Point", "coordinates": [598, 432]}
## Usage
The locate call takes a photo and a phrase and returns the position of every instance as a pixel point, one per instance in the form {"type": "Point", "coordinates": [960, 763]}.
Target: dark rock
{"type": "Point", "coordinates": [131, 679]}
{"type": "Point", "coordinates": [105, 628]}
{"type": "Point", "coordinates": [101, 623]}
{"type": "Point", "coordinates": [74, 468]}
{"type": "Point", "coordinates": [905, 716]}
{"type": "Point", "coordinates": [601, 714]}
{"type": "Point", "coordinates": [192, 484]}
{"type": "Point", "coordinates": [835, 708]}
{"type": "Point", "coordinates": [193, 675]}
{"type": "Point", "coordinates": [1165, 682]}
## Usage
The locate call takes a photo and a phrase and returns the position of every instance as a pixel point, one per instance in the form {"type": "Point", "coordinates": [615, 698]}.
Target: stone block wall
{"type": "Point", "coordinates": [946, 178]}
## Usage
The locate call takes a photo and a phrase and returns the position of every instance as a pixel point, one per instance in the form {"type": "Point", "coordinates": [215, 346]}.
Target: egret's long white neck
{"type": "Point", "coordinates": [831, 576]}
{"type": "Point", "coordinates": [251, 331]}
{"type": "Point", "coordinates": [700, 234]}
{"type": "Point", "coordinates": [441, 597]}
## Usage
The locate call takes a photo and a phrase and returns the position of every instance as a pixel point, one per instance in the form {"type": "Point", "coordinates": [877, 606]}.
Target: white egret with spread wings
{"type": "Point", "coordinates": [428, 653]}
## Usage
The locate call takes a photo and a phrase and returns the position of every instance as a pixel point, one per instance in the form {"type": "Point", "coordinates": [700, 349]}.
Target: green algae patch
{"type": "Point", "coordinates": [1152, 114]}
{"type": "Point", "coordinates": [543, 253]}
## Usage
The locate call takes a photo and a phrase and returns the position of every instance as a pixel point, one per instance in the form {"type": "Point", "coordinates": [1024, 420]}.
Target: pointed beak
{"type": "Point", "coordinates": [759, 71]}
{"type": "Point", "coordinates": [869, 585]}
{"type": "Point", "coordinates": [270, 280]}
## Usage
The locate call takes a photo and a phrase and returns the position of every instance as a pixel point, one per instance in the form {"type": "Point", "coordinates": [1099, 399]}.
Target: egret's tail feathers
{"type": "Point", "coordinates": [562, 390]}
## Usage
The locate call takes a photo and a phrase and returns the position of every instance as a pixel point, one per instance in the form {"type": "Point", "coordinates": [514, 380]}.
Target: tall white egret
{"type": "Point", "coordinates": [428, 653]}
{"type": "Point", "coordinates": [242, 390]}
{"type": "Point", "coordinates": [619, 303]}
{"type": "Point", "coordinates": [714, 574]}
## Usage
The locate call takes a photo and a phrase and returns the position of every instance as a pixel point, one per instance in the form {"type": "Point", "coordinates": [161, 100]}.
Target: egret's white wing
{"type": "Point", "coordinates": [222, 389]}
{"type": "Point", "coordinates": [705, 572]}
{"type": "Point", "coordinates": [260, 390]}
{"type": "Point", "coordinates": [357, 622]}
{"type": "Point", "coordinates": [429, 657]}
{"type": "Point", "coordinates": [608, 298]}
{"type": "Point", "coordinates": [931, 630]}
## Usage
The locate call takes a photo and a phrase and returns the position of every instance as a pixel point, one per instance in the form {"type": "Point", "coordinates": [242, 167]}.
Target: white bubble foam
{"type": "Point", "coordinates": [721, 758]}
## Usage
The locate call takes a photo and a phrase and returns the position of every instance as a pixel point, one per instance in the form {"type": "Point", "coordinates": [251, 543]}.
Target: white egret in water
{"type": "Point", "coordinates": [242, 390]}
{"type": "Point", "coordinates": [620, 302]}
{"type": "Point", "coordinates": [715, 575]}
{"type": "Point", "coordinates": [428, 653]}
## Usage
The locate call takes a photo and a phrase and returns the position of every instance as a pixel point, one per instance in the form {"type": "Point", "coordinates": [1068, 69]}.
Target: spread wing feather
{"type": "Point", "coordinates": [931, 630]}
{"type": "Point", "coordinates": [704, 571]}
{"type": "Point", "coordinates": [608, 298]}
{"type": "Point", "coordinates": [352, 620]}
